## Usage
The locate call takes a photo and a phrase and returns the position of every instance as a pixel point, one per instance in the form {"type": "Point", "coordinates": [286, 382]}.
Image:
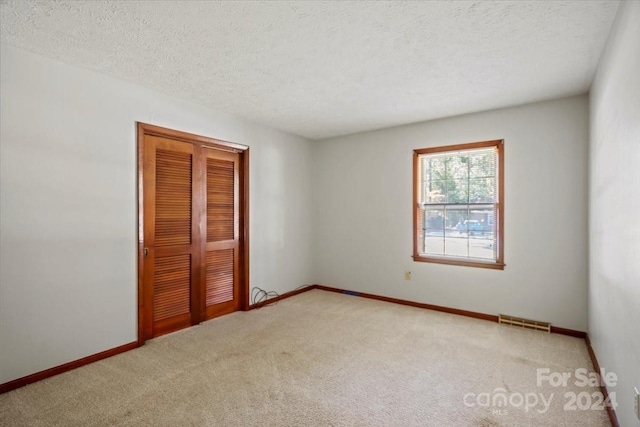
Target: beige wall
{"type": "Point", "coordinates": [68, 274]}
{"type": "Point", "coordinates": [614, 226]}
{"type": "Point", "coordinates": [364, 214]}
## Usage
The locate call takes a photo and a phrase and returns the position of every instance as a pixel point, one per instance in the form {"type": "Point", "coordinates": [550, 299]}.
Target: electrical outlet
{"type": "Point", "coordinates": [407, 275]}
{"type": "Point", "coordinates": [636, 402]}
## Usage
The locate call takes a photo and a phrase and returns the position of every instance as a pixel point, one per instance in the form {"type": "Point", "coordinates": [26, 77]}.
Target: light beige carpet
{"type": "Point", "coordinates": [318, 359]}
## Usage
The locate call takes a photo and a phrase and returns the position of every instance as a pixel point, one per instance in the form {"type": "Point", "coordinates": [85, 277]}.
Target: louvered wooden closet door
{"type": "Point", "coordinates": [222, 233]}
{"type": "Point", "coordinates": [172, 262]}
{"type": "Point", "coordinates": [193, 235]}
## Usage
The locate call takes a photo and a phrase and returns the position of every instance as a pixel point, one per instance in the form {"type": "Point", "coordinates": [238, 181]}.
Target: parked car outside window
{"type": "Point", "coordinates": [470, 226]}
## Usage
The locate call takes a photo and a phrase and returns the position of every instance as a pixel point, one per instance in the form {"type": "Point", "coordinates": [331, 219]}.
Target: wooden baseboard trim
{"type": "Point", "coordinates": [603, 388]}
{"type": "Point", "coordinates": [569, 332]}
{"type": "Point", "coordinates": [473, 314]}
{"type": "Point", "coordinates": [281, 297]}
{"type": "Point", "coordinates": [21, 382]}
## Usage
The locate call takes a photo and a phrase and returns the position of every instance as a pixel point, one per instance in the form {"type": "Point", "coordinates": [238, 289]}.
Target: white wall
{"type": "Point", "coordinates": [68, 274]}
{"type": "Point", "coordinates": [614, 273]}
{"type": "Point", "coordinates": [364, 214]}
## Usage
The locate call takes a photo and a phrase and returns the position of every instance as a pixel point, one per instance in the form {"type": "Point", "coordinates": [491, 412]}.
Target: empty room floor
{"type": "Point", "coordinates": [319, 359]}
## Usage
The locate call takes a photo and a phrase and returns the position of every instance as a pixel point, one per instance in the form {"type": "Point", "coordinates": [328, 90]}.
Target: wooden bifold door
{"type": "Point", "coordinates": [193, 240]}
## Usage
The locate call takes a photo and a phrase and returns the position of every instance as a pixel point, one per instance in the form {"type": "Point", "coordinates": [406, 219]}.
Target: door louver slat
{"type": "Point", "coordinates": [219, 276]}
{"type": "Point", "coordinates": [220, 200]}
{"type": "Point", "coordinates": [172, 286]}
{"type": "Point", "coordinates": [173, 198]}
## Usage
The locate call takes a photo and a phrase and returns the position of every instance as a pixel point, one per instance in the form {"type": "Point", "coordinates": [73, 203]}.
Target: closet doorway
{"type": "Point", "coordinates": [193, 240]}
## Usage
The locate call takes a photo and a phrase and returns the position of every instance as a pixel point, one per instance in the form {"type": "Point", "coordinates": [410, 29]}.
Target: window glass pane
{"type": "Point", "coordinates": [434, 231]}
{"type": "Point", "coordinates": [482, 190]}
{"type": "Point", "coordinates": [434, 167]}
{"type": "Point", "coordinates": [456, 245]}
{"type": "Point", "coordinates": [481, 221]}
{"type": "Point", "coordinates": [420, 231]}
{"type": "Point", "coordinates": [482, 163]}
{"type": "Point", "coordinates": [481, 246]}
{"type": "Point", "coordinates": [457, 219]}
{"type": "Point", "coordinates": [458, 165]}
{"type": "Point", "coordinates": [434, 221]}
{"type": "Point", "coordinates": [435, 191]}
{"type": "Point", "coordinates": [457, 191]}
{"type": "Point", "coordinates": [434, 245]}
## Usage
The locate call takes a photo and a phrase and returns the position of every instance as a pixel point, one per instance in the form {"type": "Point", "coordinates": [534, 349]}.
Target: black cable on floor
{"type": "Point", "coordinates": [259, 295]}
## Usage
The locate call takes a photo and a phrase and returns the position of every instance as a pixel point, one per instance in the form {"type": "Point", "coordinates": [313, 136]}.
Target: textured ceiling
{"type": "Point", "coordinates": [322, 69]}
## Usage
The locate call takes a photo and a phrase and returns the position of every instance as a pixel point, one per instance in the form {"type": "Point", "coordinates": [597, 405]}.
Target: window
{"type": "Point", "coordinates": [459, 204]}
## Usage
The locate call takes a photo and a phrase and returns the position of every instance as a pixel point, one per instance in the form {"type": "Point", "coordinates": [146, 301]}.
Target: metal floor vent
{"type": "Point", "coordinates": [524, 323]}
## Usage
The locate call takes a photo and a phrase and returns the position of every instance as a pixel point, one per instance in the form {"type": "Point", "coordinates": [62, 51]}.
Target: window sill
{"type": "Point", "coordinates": [462, 262]}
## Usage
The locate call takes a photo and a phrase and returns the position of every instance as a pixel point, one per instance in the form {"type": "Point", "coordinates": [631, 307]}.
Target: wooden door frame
{"type": "Point", "coordinates": [144, 129]}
